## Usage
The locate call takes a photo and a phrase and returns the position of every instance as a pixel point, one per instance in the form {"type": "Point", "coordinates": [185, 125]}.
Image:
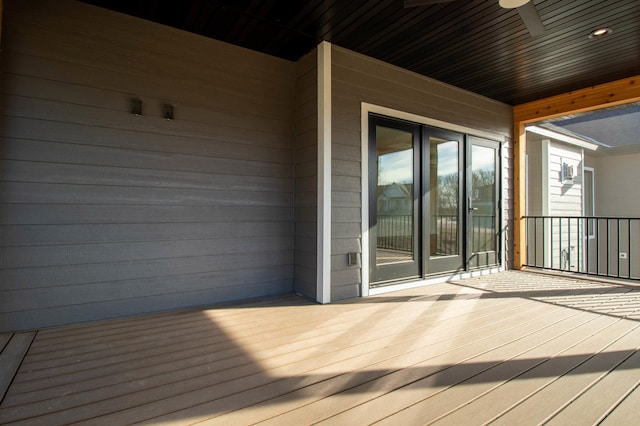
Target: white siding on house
{"type": "Point", "coordinates": [103, 213]}
{"type": "Point", "coordinates": [617, 195]}
{"type": "Point", "coordinates": [358, 79]}
{"type": "Point", "coordinates": [555, 243]}
{"type": "Point", "coordinates": [617, 186]}
{"type": "Point", "coordinates": [565, 197]}
{"type": "Point", "coordinates": [535, 185]}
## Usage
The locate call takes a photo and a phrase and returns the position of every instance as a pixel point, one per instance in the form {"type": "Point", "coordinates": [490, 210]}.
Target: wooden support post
{"type": "Point", "coordinates": [519, 195]}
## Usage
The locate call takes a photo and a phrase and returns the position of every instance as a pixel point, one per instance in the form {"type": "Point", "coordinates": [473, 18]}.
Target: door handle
{"type": "Point", "coordinates": [471, 209]}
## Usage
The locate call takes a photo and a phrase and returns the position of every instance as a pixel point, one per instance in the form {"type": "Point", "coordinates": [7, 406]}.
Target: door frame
{"type": "Point", "coordinates": [410, 269]}
{"type": "Point", "coordinates": [491, 144]}
{"type": "Point", "coordinates": [453, 263]}
{"type": "Point", "coordinates": [365, 110]}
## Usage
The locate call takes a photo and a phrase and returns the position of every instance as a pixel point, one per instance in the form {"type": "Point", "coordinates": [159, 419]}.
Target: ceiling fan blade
{"type": "Point", "coordinates": [531, 18]}
{"type": "Point", "coordinates": [416, 3]}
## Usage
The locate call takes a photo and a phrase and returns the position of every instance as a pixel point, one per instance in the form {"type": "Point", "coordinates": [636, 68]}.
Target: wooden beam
{"type": "Point", "coordinates": [519, 195]}
{"type": "Point", "coordinates": [596, 97]}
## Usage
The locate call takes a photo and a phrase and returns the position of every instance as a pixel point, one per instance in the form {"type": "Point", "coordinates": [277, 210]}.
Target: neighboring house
{"type": "Point", "coordinates": [614, 190]}
{"type": "Point", "coordinates": [569, 181]}
{"type": "Point", "coordinates": [616, 183]}
{"type": "Point", "coordinates": [554, 188]}
{"type": "Point", "coordinates": [395, 199]}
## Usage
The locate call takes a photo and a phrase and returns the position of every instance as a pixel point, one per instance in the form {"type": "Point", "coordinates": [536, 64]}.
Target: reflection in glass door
{"type": "Point", "coordinates": [394, 200]}
{"type": "Point", "coordinates": [482, 202]}
{"type": "Point", "coordinates": [433, 201]}
{"type": "Point", "coordinates": [443, 200]}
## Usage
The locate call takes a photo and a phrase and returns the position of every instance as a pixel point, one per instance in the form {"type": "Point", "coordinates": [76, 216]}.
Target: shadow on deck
{"type": "Point", "coordinates": [475, 351]}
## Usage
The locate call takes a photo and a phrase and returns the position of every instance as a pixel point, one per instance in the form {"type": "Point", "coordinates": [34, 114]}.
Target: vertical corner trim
{"type": "Point", "coordinates": [324, 173]}
{"type": "Point", "coordinates": [546, 185]}
{"type": "Point", "coordinates": [365, 109]}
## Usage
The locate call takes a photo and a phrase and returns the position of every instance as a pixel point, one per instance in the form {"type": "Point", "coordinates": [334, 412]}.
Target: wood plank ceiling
{"type": "Point", "coordinates": [472, 44]}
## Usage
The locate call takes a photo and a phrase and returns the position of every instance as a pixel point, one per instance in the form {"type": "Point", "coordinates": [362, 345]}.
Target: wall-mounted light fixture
{"type": "Point", "coordinates": [167, 112]}
{"type": "Point", "coordinates": [136, 106]}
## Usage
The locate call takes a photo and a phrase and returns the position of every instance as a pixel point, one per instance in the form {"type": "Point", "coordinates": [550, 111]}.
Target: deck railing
{"type": "Point", "coordinates": [483, 233]}
{"type": "Point", "coordinates": [395, 232]}
{"type": "Point", "coordinates": [603, 246]}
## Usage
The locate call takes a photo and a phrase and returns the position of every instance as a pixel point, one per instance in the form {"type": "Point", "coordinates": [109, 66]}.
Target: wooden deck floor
{"type": "Point", "coordinates": [510, 348]}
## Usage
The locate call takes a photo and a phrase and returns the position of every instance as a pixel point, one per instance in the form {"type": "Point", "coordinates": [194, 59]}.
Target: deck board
{"type": "Point", "coordinates": [413, 413]}
{"type": "Point", "coordinates": [540, 367]}
{"type": "Point", "coordinates": [382, 388]}
{"type": "Point", "coordinates": [587, 368]}
{"type": "Point", "coordinates": [626, 412]}
{"type": "Point", "coordinates": [390, 366]}
{"type": "Point", "coordinates": [4, 339]}
{"type": "Point", "coordinates": [12, 354]}
{"type": "Point", "coordinates": [598, 400]}
{"type": "Point", "coordinates": [508, 348]}
{"type": "Point", "coordinates": [394, 402]}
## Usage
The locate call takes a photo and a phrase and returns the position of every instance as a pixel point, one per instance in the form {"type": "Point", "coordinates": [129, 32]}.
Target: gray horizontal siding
{"type": "Point", "coordinates": [357, 79]}
{"type": "Point", "coordinates": [93, 294]}
{"type": "Point", "coordinates": [103, 213]}
{"type": "Point", "coordinates": [78, 275]}
{"type": "Point", "coordinates": [31, 214]}
{"type": "Point", "coordinates": [127, 306]}
{"type": "Point", "coordinates": [38, 235]}
{"type": "Point", "coordinates": [306, 177]}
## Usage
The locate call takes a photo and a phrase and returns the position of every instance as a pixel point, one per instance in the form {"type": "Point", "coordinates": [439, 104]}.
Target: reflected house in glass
{"type": "Point", "coordinates": [395, 199]}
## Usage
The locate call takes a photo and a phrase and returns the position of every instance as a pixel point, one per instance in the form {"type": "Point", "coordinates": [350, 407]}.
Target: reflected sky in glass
{"type": "Point", "coordinates": [395, 167]}
{"type": "Point", "coordinates": [447, 158]}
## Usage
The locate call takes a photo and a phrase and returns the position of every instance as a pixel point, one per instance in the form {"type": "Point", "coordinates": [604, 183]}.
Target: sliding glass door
{"type": "Point", "coordinates": [433, 201]}
{"type": "Point", "coordinates": [394, 193]}
{"type": "Point", "coordinates": [483, 201]}
{"type": "Point", "coordinates": [444, 225]}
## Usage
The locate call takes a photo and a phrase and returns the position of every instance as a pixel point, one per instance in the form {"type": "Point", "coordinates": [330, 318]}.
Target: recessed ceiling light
{"type": "Point", "coordinates": [600, 32]}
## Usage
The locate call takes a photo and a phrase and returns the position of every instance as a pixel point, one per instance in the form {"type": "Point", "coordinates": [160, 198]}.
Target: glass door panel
{"type": "Point", "coordinates": [433, 201]}
{"type": "Point", "coordinates": [394, 149]}
{"type": "Point", "coordinates": [394, 200]}
{"type": "Point", "coordinates": [443, 200]}
{"type": "Point", "coordinates": [482, 200]}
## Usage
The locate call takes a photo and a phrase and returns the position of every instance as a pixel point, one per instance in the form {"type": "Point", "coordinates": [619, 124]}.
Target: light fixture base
{"type": "Point", "coordinates": [512, 4]}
